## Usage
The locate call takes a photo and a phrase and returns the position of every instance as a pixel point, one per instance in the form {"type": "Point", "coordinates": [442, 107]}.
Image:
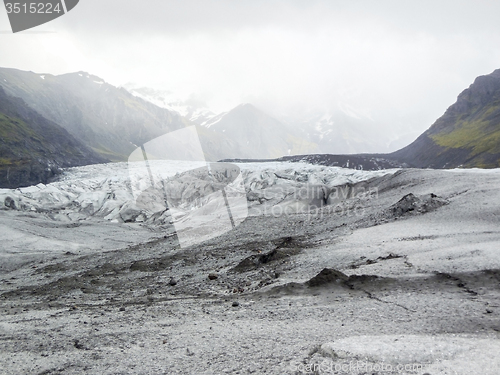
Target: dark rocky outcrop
{"type": "Point", "coordinates": [327, 276]}
{"type": "Point", "coordinates": [368, 162]}
{"type": "Point", "coordinates": [412, 204]}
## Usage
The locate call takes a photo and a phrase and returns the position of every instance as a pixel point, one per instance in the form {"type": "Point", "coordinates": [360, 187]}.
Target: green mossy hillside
{"type": "Point", "coordinates": [467, 135]}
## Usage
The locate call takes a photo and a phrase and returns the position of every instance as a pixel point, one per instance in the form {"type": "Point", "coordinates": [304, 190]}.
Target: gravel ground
{"type": "Point", "coordinates": [391, 284]}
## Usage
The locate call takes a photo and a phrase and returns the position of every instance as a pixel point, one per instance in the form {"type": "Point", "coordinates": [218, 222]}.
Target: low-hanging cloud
{"type": "Point", "coordinates": [400, 62]}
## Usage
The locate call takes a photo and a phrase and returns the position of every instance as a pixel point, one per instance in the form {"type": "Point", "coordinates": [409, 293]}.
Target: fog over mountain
{"type": "Point", "coordinates": [108, 119]}
{"type": "Point", "coordinates": [112, 122]}
{"type": "Point", "coordinates": [396, 63]}
{"type": "Point", "coordinates": [339, 130]}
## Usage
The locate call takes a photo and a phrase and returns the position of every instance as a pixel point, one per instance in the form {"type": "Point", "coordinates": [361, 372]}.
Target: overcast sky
{"type": "Point", "coordinates": [398, 61]}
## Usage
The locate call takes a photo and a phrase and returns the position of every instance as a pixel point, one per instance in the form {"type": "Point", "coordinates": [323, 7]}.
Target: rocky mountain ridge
{"type": "Point", "coordinates": [467, 135]}
{"type": "Point", "coordinates": [113, 122]}
{"type": "Point", "coordinates": [106, 118]}
{"type": "Point", "coordinates": [32, 148]}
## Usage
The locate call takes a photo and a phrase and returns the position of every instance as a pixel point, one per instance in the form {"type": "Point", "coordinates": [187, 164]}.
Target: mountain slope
{"type": "Point", "coordinates": [109, 119]}
{"type": "Point", "coordinates": [258, 134]}
{"type": "Point", "coordinates": [341, 130]}
{"type": "Point", "coordinates": [32, 148]}
{"type": "Point", "coordinates": [467, 135]}
{"type": "Point", "coordinates": [192, 109]}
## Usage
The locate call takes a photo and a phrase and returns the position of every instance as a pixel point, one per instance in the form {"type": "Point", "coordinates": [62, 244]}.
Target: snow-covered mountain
{"type": "Point", "coordinates": [259, 134]}
{"type": "Point", "coordinates": [190, 108]}
{"type": "Point", "coordinates": [244, 132]}
{"type": "Point", "coordinates": [343, 130]}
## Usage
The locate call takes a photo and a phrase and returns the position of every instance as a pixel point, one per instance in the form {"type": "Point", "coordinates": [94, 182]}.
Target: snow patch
{"type": "Point", "coordinates": [169, 101]}
{"type": "Point", "coordinates": [214, 120]}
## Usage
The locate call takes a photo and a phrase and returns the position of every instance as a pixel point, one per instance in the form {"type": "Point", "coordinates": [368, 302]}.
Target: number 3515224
{"type": "Point", "coordinates": [33, 8]}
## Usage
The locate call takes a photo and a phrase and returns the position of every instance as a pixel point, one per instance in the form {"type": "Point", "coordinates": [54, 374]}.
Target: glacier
{"type": "Point", "coordinates": [105, 191]}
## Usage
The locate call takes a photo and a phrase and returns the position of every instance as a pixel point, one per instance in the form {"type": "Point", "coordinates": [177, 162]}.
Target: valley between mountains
{"type": "Point", "coordinates": [286, 251]}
